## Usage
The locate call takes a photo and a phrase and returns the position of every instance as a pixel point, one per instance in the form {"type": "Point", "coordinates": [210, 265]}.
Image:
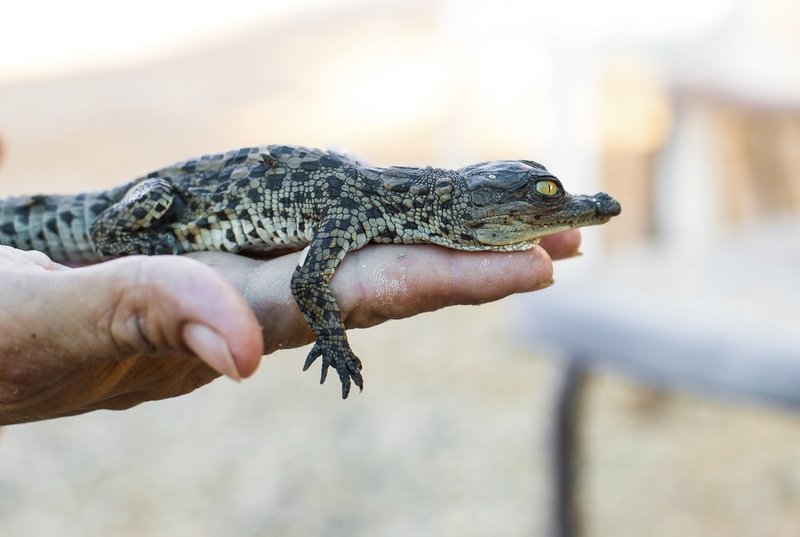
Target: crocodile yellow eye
{"type": "Point", "coordinates": [548, 188]}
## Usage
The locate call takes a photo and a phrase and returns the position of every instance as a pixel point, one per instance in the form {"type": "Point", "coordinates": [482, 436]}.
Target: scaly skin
{"type": "Point", "coordinates": [281, 198]}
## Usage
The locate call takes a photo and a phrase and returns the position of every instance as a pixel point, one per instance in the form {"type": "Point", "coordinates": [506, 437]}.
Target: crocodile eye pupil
{"type": "Point", "coordinates": [548, 188]}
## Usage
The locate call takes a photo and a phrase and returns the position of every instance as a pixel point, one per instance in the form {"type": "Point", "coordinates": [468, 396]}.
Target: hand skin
{"type": "Point", "coordinates": [118, 333]}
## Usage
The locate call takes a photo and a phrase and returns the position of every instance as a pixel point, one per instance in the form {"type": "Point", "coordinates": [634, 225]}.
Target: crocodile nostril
{"type": "Point", "coordinates": [606, 205]}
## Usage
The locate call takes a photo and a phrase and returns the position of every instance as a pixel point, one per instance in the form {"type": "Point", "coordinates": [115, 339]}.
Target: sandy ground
{"type": "Point", "coordinates": [448, 438]}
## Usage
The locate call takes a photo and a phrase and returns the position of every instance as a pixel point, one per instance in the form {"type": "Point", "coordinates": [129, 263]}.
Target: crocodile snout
{"type": "Point", "coordinates": [606, 205]}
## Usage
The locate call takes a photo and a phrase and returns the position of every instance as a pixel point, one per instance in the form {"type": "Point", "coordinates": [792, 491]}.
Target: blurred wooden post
{"type": "Point", "coordinates": [759, 152]}
{"type": "Point", "coordinates": [635, 118]}
{"type": "Point", "coordinates": [789, 151]}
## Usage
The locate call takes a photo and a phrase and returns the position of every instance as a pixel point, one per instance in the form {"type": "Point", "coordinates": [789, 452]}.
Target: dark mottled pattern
{"type": "Point", "coordinates": [282, 198]}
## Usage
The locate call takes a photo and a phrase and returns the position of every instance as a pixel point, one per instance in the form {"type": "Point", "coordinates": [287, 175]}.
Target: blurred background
{"type": "Point", "coordinates": [687, 112]}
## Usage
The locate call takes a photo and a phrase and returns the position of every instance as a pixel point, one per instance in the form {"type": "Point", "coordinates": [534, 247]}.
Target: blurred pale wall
{"type": "Point", "coordinates": [604, 97]}
{"type": "Point", "coordinates": [389, 83]}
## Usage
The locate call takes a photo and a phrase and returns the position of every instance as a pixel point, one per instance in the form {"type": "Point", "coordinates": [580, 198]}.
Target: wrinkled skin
{"type": "Point", "coordinates": [130, 330]}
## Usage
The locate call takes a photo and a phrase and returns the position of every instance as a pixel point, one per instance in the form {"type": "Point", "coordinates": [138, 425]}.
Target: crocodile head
{"type": "Point", "coordinates": [519, 201]}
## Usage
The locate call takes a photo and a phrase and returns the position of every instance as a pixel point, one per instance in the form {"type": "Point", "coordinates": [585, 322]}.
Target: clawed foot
{"type": "Point", "coordinates": [342, 359]}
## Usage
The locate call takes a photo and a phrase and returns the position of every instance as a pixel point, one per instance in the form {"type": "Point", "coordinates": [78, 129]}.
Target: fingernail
{"type": "Point", "coordinates": [576, 253]}
{"type": "Point", "coordinates": [545, 285]}
{"type": "Point", "coordinates": [211, 348]}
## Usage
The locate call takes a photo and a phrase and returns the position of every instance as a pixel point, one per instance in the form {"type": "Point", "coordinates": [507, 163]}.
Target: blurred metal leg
{"type": "Point", "coordinates": [564, 449]}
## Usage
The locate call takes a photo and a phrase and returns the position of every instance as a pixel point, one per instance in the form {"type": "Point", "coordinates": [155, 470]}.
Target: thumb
{"type": "Point", "coordinates": [150, 305]}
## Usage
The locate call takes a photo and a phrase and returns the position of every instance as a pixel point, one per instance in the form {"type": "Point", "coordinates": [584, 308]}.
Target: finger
{"type": "Point", "coordinates": [393, 283]}
{"type": "Point", "coordinates": [383, 282]}
{"type": "Point", "coordinates": [562, 245]}
{"type": "Point", "coordinates": [265, 285]}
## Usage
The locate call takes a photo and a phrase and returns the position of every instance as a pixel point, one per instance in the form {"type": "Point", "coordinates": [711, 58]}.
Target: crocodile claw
{"type": "Point", "coordinates": [346, 363]}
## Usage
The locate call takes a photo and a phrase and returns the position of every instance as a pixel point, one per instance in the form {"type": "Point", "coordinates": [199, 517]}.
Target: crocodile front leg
{"type": "Point", "coordinates": [134, 224]}
{"type": "Point", "coordinates": [310, 290]}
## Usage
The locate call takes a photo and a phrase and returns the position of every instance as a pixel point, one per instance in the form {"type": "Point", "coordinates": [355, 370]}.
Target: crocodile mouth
{"type": "Point", "coordinates": [523, 223]}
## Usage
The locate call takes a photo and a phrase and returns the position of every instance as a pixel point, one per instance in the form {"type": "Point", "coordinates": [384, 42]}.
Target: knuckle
{"type": "Point", "coordinates": [128, 321]}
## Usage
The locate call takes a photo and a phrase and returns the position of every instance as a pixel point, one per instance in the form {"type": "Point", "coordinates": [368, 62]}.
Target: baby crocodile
{"type": "Point", "coordinates": [273, 198]}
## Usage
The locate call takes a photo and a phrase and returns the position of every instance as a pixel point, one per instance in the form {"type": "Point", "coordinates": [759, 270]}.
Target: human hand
{"type": "Point", "coordinates": [129, 330]}
{"type": "Point", "coordinates": [382, 282]}
{"type": "Point", "coordinates": [114, 334]}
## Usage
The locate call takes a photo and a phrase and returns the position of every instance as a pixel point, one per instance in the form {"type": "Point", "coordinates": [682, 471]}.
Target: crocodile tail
{"type": "Point", "coordinates": [56, 225]}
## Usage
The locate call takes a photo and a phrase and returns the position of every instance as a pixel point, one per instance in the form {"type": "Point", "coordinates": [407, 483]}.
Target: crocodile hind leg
{"type": "Point", "coordinates": [313, 296]}
{"type": "Point", "coordinates": [134, 225]}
